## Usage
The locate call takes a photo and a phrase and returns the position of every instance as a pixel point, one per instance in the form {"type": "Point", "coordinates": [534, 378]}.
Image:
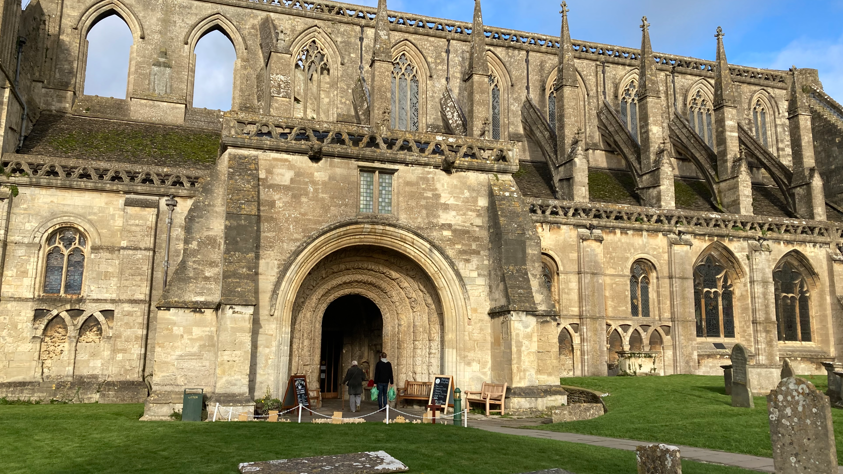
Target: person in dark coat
{"type": "Point", "coordinates": [383, 380]}
{"type": "Point", "coordinates": [354, 380]}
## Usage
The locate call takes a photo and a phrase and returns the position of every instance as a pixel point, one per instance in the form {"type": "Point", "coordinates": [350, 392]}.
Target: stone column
{"type": "Point", "coordinates": [681, 281]}
{"type": "Point", "coordinates": [592, 302]}
{"type": "Point", "coordinates": [807, 185]}
{"type": "Point", "coordinates": [763, 300]}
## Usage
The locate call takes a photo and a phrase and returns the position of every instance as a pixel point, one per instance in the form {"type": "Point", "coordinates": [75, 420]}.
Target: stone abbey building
{"type": "Point", "coordinates": [495, 205]}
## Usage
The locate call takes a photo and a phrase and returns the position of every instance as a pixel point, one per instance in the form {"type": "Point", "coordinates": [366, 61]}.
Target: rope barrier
{"type": "Point", "coordinates": [331, 417]}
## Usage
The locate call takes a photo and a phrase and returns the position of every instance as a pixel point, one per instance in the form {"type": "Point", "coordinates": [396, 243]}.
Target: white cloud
{"type": "Point", "coordinates": [825, 56]}
{"type": "Point", "coordinates": [107, 72]}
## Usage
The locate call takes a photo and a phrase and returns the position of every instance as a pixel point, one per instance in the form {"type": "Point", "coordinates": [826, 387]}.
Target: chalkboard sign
{"type": "Point", "coordinates": [441, 392]}
{"type": "Point", "coordinates": [296, 393]}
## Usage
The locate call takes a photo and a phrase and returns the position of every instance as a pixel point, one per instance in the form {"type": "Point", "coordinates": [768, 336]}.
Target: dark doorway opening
{"type": "Point", "coordinates": [352, 329]}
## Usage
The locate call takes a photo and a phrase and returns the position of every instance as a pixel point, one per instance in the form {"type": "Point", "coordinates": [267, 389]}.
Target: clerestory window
{"type": "Point", "coordinates": [639, 290]}
{"type": "Point", "coordinates": [312, 83]}
{"type": "Point", "coordinates": [65, 256]}
{"type": "Point", "coordinates": [713, 300]}
{"type": "Point", "coordinates": [405, 95]}
{"type": "Point", "coordinates": [700, 117]}
{"type": "Point", "coordinates": [793, 304]}
{"type": "Point", "coordinates": [759, 121]}
{"type": "Point", "coordinates": [495, 107]}
{"type": "Point", "coordinates": [376, 188]}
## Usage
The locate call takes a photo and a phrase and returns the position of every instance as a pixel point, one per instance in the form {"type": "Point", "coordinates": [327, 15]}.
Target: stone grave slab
{"type": "Point", "coordinates": [741, 388]}
{"type": "Point", "coordinates": [658, 459]}
{"type": "Point", "coordinates": [801, 429]}
{"type": "Point", "coordinates": [787, 369]}
{"type": "Point", "coordinates": [356, 463]}
{"type": "Point", "coordinates": [727, 378]}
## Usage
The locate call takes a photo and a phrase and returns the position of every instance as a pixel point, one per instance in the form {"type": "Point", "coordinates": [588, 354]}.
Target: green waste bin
{"type": "Point", "coordinates": [192, 404]}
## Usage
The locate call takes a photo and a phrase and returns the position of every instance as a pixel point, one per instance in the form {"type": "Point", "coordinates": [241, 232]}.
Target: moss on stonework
{"type": "Point", "coordinates": [169, 145]}
{"type": "Point", "coordinates": [691, 194]}
{"type": "Point", "coordinates": [618, 188]}
{"type": "Point", "coordinates": [521, 172]}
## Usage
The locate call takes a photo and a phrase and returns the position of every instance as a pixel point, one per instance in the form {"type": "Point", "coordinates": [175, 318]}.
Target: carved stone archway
{"type": "Point", "coordinates": [406, 296]}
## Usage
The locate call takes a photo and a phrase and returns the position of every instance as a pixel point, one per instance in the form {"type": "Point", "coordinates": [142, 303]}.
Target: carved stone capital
{"type": "Point", "coordinates": [680, 239]}
{"type": "Point", "coordinates": [760, 246]}
{"type": "Point", "coordinates": [590, 234]}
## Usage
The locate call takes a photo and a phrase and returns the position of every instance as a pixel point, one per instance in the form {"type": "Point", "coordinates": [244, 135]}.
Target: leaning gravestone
{"type": "Point", "coordinates": [741, 390]}
{"type": "Point", "coordinates": [658, 459]}
{"type": "Point", "coordinates": [727, 378]}
{"type": "Point", "coordinates": [787, 370]}
{"type": "Point", "coordinates": [801, 429]}
{"type": "Point", "coordinates": [357, 463]}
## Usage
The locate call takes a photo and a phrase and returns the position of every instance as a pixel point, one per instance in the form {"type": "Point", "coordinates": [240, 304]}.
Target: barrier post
{"type": "Point", "coordinates": [387, 412]}
{"type": "Point", "coordinates": [215, 412]}
{"type": "Point", "coordinates": [457, 407]}
{"type": "Point", "coordinates": [299, 412]}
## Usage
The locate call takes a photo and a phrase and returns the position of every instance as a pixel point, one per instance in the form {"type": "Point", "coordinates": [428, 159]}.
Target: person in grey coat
{"type": "Point", "coordinates": [354, 380]}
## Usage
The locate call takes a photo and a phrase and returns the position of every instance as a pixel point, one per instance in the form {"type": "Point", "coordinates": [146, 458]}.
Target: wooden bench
{"type": "Point", "coordinates": [414, 391]}
{"type": "Point", "coordinates": [489, 394]}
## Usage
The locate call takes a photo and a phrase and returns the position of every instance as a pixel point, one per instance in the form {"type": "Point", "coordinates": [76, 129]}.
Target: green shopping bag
{"type": "Point", "coordinates": [391, 394]}
{"type": "Point", "coordinates": [374, 394]}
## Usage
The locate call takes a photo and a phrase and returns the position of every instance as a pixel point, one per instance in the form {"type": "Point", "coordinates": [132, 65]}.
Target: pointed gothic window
{"type": "Point", "coordinates": [551, 107]}
{"type": "Point", "coordinates": [629, 107]}
{"type": "Point", "coordinates": [494, 84]}
{"type": "Point", "coordinates": [65, 262]}
{"type": "Point", "coordinates": [639, 290]}
{"type": "Point", "coordinates": [759, 120]}
{"type": "Point", "coordinates": [793, 304]}
{"type": "Point", "coordinates": [312, 91]}
{"type": "Point", "coordinates": [405, 95]}
{"type": "Point", "coordinates": [550, 279]}
{"type": "Point", "coordinates": [713, 300]}
{"type": "Point", "coordinates": [699, 116]}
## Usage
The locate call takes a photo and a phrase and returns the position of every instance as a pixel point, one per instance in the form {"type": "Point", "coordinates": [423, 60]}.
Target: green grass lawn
{"type": "Point", "coordinates": [109, 438]}
{"type": "Point", "coordinates": [691, 410]}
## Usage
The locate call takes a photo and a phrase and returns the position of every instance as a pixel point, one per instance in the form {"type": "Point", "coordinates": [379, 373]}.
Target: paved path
{"type": "Point", "coordinates": [743, 461]}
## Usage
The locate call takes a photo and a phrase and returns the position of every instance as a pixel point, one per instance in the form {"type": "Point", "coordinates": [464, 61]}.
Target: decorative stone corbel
{"type": "Point", "coordinates": [679, 238]}
{"type": "Point", "coordinates": [590, 233]}
{"type": "Point", "coordinates": [760, 245]}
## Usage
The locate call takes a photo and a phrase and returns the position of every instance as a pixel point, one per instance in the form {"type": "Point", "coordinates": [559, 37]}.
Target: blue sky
{"type": "Point", "coordinates": [761, 33]}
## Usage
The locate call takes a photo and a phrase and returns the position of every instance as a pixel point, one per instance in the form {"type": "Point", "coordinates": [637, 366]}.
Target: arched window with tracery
{"type": "Point", "coordinates": [639, 290]}
{"type": "Point", "coordinates": [763, 116]}
{"type": "Point", "coordinates": [793, 304]}
{"type": "Point", "coordinates": [495, 107]}
{"type": "Point", "coordinates": [65, 256]}
{"type": "Point", "coordinates": [629, 107]}
{"type": "Point", "coordinates": [700, 116]}
{"type": "Point", "coordinates": [713, 299]}
{"type": "Point", "coordinates": [405, 95]}
{"type": "Point", "coordinates": [312, 91]}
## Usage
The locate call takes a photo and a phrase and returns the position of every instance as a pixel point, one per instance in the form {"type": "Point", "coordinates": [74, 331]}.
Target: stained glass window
{"type": "Point", "coordinates": [629, 108]}
{"type": "Point", "coordinates": [793, 304]}
{"type": "Point", "coordinates": [496, 107]}
{"type": "Point", "coordinates": [405, 95]}
{"type": "Point", "coordinates": [713, 300]}
{"type": "Point", "coordinates": [64, 268]}
{"type": "Point", "coordinates": [312, 87]}
{"type": "Point", "coordinates": [547, 276]}
{"type": "Point", "coordinates": [699, 116]}
{"type": "Point", "coordinates": [639, 290]}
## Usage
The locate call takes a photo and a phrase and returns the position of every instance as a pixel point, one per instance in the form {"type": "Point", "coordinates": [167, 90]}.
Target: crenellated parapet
{"type": "Point", "coordinates": [330, 139]}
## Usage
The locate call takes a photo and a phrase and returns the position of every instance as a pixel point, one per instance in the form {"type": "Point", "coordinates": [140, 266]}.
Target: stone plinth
{"type": "Point", "coordinates": [727, 378]}
{"type": "Point", "coordinates": [658, 459]}
{"type": "Point", "coordinates": [535, 399]}
{"type": "Point", "coordinates": [577, 412]}
{"type": "Point", "coordinates": [763, 378]}
{"type": "Point", "coordinates": [639, 363]}
{"type": "Point", "coordinates": [356, 463]}
{"type": "Point", "coordinates": [801, 429]}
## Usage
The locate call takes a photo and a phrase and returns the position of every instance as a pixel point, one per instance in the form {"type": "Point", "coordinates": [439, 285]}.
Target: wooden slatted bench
{"type": "Point", "coordinates": [489, 394]}
{"type": "Point", "coordinates": [414, 391]}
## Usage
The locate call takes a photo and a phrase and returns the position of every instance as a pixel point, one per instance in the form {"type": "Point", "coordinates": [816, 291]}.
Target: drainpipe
{"type": "Point", "coordinates": [171, 204]}
{"type": "Point", "coordinates": [21, 43]}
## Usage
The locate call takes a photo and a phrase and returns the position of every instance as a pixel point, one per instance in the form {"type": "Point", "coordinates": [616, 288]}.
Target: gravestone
{"type": "Point", "coordinates": [658, 459]}
{"type": "Point", "coordinates": [787, 370]}
{"type": "Point", "coordinates": [741, 390]}
{"type": "Point", "coordinates": [727, 378]}
{"type": "Point", "coordinates": [801, 429]}
{"type": "Point", "coordinates": [357, 463]}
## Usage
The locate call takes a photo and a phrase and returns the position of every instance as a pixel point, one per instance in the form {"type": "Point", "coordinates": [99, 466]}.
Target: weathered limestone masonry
{"type": "Point", "coordinates": [495, 205]}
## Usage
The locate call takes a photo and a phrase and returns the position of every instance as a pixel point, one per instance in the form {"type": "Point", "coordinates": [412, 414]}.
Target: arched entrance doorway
{"type": "Point", "coordinates": [386, 286]}
{"type": "Point", "coordinates": [352, 329]}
